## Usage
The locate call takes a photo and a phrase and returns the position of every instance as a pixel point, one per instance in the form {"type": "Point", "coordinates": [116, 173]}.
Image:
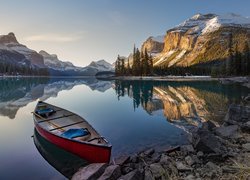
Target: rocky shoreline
{"type": "Point", "coordinates": [161, 78]}
{"type": "Point", "coordinates": [213, 153]}
{"type": "Point", "coordinates": [244, 81]}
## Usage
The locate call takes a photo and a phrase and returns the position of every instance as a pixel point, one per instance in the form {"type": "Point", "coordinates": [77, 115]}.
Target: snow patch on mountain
{"type": "Point", "coordinates": [163, 57]}
{"type": "Point", "coordinates": [177, 58]}
{"type": "Point", "coordinates": [100, 65]}
{"type": "Point", "coordinates": [207, 23]}
{"type": "Point", "coordinates": [52, 61]}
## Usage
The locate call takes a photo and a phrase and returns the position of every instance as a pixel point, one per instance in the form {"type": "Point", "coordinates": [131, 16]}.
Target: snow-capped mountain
{"type": "Point", "coordinates": [51, 61]}
{"type": "Point", "coordinates": [97, 66]}
{"type": "Point", "coordinates": [202, 24]}
{"type": "Point", "coordinates": [59, 67]}
{"type": "Point", "coordinates": [203, 38]}
{"type": "Point", "coordinates": [14, 52]}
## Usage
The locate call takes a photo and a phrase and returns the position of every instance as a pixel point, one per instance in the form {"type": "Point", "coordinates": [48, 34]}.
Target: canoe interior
{"type": "Point", "coordinates": [67, 120]}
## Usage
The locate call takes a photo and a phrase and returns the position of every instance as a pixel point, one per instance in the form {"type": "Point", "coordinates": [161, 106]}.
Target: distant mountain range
{"type": "Point", "coordinates": [14, 53]}
{"type": "Point", "coordinates": [201, 39]}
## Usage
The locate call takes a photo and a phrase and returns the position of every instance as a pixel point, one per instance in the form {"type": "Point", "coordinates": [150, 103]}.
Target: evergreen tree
{"type": "Point", "coordinates": [128, 68]}
{"type": "Point", "coordinates": [138, 63]}
{"type": "Point", "coordinates": [151, 66]}
{"type": "Point", "coordinates": [246, 60]}
{"type": "Point", "coordinates": [237, 63]}
{"type": "Point", "coordinates": [134, 62]}
{"type": "Point", "coordinates": [229, 61]}
{"type": "Point", "coordinates": [122, 67]}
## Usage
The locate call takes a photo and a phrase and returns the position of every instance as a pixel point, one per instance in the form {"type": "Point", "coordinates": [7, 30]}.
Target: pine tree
{"type": "Point", "coordinates": [246, 60]}
{"type": "Point", "coordinates": [122, 67]}
{"type": "Point", "coordinates": [147, 63]}
{"type": "Point", "coordinates": [229, 61]}
{"type": "Point", "coordinates": [138, 63]}
{"type": "Point", "coordinates": [116, 68]}
{"type": "Point", "coordinates": [134, 62]}
{"type": "Point", "coordinates": [151, 65]}
{"type": "Point", "coordinates": [237, 62]}
{"type": "Point", "coordinates": [128, 68]}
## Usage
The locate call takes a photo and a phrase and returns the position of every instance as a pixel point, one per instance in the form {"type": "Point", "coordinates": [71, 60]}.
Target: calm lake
{"type": "Point", "coordinates": [132, 115]}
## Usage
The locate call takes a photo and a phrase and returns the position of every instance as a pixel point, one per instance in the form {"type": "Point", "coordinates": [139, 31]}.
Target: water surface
{"type": "Point", "coordinates": [132, 115]}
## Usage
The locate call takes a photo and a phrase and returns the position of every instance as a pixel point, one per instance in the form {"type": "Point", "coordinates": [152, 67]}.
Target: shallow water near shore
{"type": "Point", "coordinates": [132, 115]}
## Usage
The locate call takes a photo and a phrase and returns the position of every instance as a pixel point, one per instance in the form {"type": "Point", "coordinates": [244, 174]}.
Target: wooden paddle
{"type": "Point", "coordinates": [53, 124]}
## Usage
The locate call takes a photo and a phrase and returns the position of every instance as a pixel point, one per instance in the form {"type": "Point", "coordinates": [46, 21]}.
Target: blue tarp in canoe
{"type": "Point", "coordinates": [45, 111]}
{"type": "Point", "coordinates": [73, 133]}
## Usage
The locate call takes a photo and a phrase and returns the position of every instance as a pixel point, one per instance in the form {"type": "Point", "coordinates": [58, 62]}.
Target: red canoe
{"type": "Point", "coordinates": [71, 132]}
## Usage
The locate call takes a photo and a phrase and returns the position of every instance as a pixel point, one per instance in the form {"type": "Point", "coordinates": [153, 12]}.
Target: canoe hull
{"type": "Point", "coordinates": [90, 152]}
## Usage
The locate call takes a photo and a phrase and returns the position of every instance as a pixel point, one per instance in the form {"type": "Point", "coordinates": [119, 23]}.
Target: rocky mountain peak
{"type": "Point", "coordinates": [154, 44]}
{"type": "Point", "coordinates": [47, 55]}
{"type": "Point", "coordinates": [201, 38]}
{"type": "Point", "coordinates": [9, 38]}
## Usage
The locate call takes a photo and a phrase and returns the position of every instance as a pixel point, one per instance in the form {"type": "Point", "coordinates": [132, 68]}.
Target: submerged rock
{"type": "Point", "coordinates": [148, 152]}
{"type": "Point", "coordinates": [90, 172]}
{"type": "Point", "coordinates": [122, 160]}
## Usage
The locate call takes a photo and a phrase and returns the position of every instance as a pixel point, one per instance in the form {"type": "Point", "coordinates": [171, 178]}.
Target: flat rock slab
{"type": "Point", "coordinates": [133, 175]}
{"type": "Point", "coordinates": [238, 114]}
{"type": "Point", "coordinates": [246, 146]}
{"type": "Point", "coordinates": [207, 142]}
{"type": "Point", "coordinates": [227, 131]}
{"type": "Point", "coordinates": [187, 148]}
{"type": "Point", "coordinates": [182, 167]}
{"type": "Point", "coordinates": [111, 173]}
{"type": "Point", "coordinates": [90, 172]}
{"type": "Point", "coordinates": [122, 160]}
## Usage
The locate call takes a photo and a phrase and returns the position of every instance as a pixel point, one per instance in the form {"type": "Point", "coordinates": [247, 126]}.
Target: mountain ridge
{"type": "Point", "coordinates": [12, 53]}
{"type": "Point", "coordinates": [203, 38]}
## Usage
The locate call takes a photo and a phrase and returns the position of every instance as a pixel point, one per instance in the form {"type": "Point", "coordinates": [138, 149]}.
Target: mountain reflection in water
{"type": "Point", "coordinates": [16, 93]}
{"type": "Point", "coordinates": [182, 103]}
{"type": "Point", "coordinates": [132, 115]}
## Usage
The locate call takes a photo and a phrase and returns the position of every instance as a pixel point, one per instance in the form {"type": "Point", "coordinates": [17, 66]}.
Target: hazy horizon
{"type": "Point", "coordinates": [85, 31]}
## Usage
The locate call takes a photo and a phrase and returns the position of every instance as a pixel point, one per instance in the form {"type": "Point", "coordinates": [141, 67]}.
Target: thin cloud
{"type": "Point", "coordinates": [116, 17]}
{"type": "Point", "coordinates": [55, 37]}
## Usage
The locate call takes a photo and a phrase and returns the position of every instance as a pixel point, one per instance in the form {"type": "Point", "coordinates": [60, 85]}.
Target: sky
{"type": "Point", "coordinates": [81, 31]}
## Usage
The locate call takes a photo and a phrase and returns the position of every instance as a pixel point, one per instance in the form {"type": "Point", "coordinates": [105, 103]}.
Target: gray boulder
{"type": "Point", "coordinates": [158, 171]}
{"type": "Point", "coordinates": [238, 114]}
{"type": "Point", "coordinates": [122, 160]}
{"type": "Point", "coordinates": [90, 172]}
{"type": "Point", "coordinates": [182, 167]}
{"type": "Point", "coordinates": [246, 146]}
{"type": "Point", "coordinates": [207, 142]}
{"type": "Point", "coordinates": [111, 173]}
{"type": "Point", "coordinates": [133, 175]}
{"type": "Point", "coordinates": [227, 131]}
